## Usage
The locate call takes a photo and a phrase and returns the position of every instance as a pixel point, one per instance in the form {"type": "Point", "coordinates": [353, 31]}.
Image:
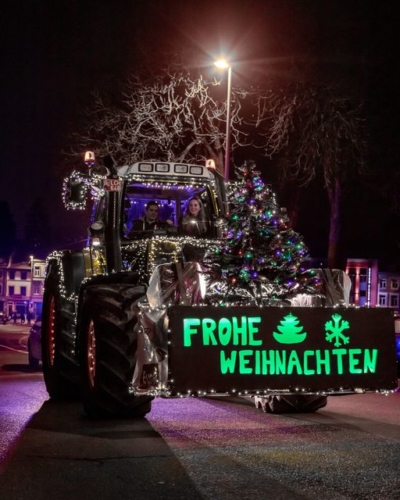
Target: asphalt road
{"type": "Point", "coordinates": [194, 448]}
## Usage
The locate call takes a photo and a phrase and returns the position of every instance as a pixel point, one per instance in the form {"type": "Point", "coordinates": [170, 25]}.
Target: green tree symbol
{"type": "Point", "coordinates": [290, 332]}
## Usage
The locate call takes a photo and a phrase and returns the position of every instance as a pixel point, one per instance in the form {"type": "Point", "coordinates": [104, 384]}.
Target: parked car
{"type": "Point", "coordinates": [4, 318]}
{"type": "Point", "coordinates": [34, 345]}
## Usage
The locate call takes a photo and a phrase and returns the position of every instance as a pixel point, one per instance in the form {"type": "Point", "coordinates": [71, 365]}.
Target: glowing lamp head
{"type": "Point", "coordinates": [221, 64]}
{"type": "Point", "coordinates": [210, 164]}
{"type": "Point", "coordinates": [89, 158]}
{"type": "Point", "coordinates": [96, 231]}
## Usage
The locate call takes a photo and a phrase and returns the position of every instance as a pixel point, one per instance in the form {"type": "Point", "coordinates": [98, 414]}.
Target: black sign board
{"type": "Point", "coordinates": [254, 349]}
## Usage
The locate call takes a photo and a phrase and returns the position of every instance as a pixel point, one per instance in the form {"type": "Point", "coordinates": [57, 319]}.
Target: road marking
{"type": "Point", "coordinates": [12, 349]}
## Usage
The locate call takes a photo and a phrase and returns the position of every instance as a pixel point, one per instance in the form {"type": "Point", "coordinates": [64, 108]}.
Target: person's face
{"type": "Point", "coordinates": [194, 207]}
{"type": "Point", "coordinates": [152, 213]}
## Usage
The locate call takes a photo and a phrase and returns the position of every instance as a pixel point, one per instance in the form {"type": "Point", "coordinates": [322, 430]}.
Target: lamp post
{"type": "Point", "coordinates": [31, 303]}
{"type": "Point", "coordinates": [223, 64]}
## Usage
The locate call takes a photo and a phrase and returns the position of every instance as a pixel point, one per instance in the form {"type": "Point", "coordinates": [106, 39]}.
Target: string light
{"type": "Point", "coordinates": [77, 185]}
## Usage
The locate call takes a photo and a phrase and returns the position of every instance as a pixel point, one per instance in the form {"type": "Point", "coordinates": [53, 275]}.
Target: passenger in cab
{"type": "Point", "coordinates": [195, 222]}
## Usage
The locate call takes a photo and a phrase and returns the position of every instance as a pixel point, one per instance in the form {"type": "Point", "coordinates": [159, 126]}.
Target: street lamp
{"type": "Point", "coordinates": [223, 64]}
{"type": "Point", "coordinates": [32, 261]}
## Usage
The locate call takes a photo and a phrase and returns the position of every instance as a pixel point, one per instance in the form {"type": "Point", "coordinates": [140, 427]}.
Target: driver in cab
{"type": "Point", "coordinates": [146, 225]}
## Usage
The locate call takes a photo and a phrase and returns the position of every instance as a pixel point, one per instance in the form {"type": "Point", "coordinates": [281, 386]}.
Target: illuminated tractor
{"type": "Point", "coordinates": [124, 318]}
{"type": "Point", "coordinates": [90, 305]}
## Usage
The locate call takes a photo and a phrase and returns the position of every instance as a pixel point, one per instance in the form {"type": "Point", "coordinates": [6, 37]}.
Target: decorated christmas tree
{"type": "Point", "coordinates": [261, 259]}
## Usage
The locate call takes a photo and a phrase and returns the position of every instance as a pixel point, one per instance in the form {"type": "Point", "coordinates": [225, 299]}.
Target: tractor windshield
{"type": "Point", "coordinates": [172, 201]}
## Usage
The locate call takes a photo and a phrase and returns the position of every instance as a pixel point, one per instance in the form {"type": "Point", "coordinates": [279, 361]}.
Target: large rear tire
{"type": "Point", "coordinates": [108, 340]}
{"type": "Point", "coordinates": [60, 367]}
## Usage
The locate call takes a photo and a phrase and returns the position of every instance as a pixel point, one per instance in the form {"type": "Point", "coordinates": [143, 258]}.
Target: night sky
{"type": "Point", "coordinates": [55, 52]}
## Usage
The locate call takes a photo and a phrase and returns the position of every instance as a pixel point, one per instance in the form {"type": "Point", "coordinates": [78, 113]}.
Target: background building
{"type": "Point", "coordinates": [389, 290]}
{"type": "Point", "coordinates": [371, 287]}
{"type": "Point", "coordinates": [364, 281]}
{"type": "Point", "coordinates": [21, 288]}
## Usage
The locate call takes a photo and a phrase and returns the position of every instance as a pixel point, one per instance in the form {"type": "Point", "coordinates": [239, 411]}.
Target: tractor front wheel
{"type": "Point", "coordinates": [108, 340]}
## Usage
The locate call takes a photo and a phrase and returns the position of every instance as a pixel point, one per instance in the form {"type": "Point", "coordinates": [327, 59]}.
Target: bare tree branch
{"type": "Point", "coordinates": [173, 118]}
{"type": "Point", "coordinates": [321, 133]}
